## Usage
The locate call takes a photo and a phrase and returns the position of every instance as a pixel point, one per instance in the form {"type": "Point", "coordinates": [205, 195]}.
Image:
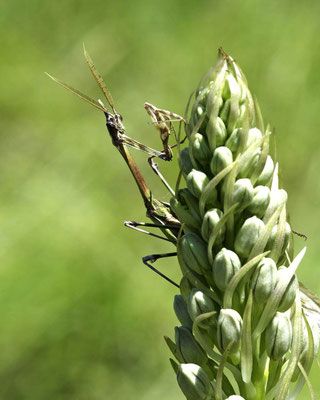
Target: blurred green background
{"type": "Point", "coordinates": [81, 317]}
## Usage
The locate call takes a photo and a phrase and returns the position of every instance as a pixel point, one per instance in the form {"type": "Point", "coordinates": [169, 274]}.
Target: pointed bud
{"type": "Point", "coordinates": [194, 382]}
{"type": "Point", "coordinates": [216, 132]}
{"type": "Point", "coordinates": [291, 290]}
{"type": "Point", "coordinates": [264, 280]}
{"type": "Point", "coordinates": [234, 114]}
{"type": "Point", "coordinates": [231, 88]}
{"type": "Point", "coordinates": [248, 168]}
{"type": "Point", "coordinates": [210, 221]}
{"type": "Point", "coordinates": [278, 336]}
{"type": "Point", "coordinates": [229, 330]}
{"type": "Point", "coordinates": [197, 112]}
{"type": "Point", "coordinates": [196, 182]}
{"type": "Point", "coordinates": [225, 111]}
{"type": "Point", "coordinates": [225, 265]}
{"type": "Point", "coordinates": [188, 348]}
{"type": "Point", "coordinates": [248, 236]}
{"type": "Point", "coordinates": [200, 149]}
{"type": "Point", "coordinates": [222, 157]}
{"type": "Point", "coordinates": [234, 140]}
{"type": "Point", "coordinates": [242, 193]}
{"type": "Point", "coordinates": [266, 173]}
{"type": "Point", "coordinates": [199, 303]}
{"type": "Point", "coordinates": [277, 198]}
{"type": "Point", "coordinates": [273, 235]}
{"type": "Point", "coordinates": [181, 310]}
{"type": "Point", "coordinates": [194, 252]}
{"type": "Point", "coordinates": [254, 135]}
{"type": "Point", "coordinates": [260, 201]}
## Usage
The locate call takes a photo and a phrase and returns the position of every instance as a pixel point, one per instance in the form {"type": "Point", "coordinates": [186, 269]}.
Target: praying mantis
{"type": "Point", "coordinates": [159, 212]}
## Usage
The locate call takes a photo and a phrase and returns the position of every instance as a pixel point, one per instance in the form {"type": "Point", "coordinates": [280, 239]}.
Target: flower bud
{"type": "Point", "coordinates": [186, 207]}
{"type": "Point", "coordinates": [231, 87]}
{"type": "Point", "coordinates": [264, 280]}
{"type": "Point", "coordinates": [214, 101]}
{"type": "Point", "coordinates": [254, 135]}
{"type": "Point", "coordinates": [222, 157]}
{"type": "Point", "coordinates": [235, 397]}
{"type": "Point", "coordinates": [181, 310]}
{"type": "Point", "coordinates": [248, 168]}
{"type": "Point", "coordinates": [225, 265]}
{"type": "Point", "coordinates": [248, 236]}
{"type": "Point", "coordinates": [277, 198]}
{"type": "Point", "coordinates": [260, 201]}
{"type": "Point", "coordinates": [196, 182]}
{"type": "Point", "coordinates": [194, 382]}
{"type": "Point", "coordinates": [188, 348]}
{"type": "Point", "coordinates": [233, 116]}
{"type": "Point", "coordinates": [242, 193]}
{"type": "Point", "coordinates": [200, 149]}
{"type": "Point", "coordinates": [229, 330]}
{"type": "Point", "coordinates": [243, 110]}
{"type": "Point", "coordinates": [216, 132]}
{"type": "Point", "coordinates": [278, 336]}
{"type": "Point", "coordinates": [291, 290]}
{"type": "Point", "coordinates": [199, 303]}
{"type": "Point", "coordinates": [273, 236]}
{"type": "Point", "coordinates": [233, 141]}
{"type": "Point", "coordinates": [185, 162]}
{"type": "Point", "coordinates": [194, 252]}
{"type": "Point", "coordinates": [197, 111]}
{"type": "Point", "coordinates": [210, 221]}
{"type": "Point", "coordinates": [224, 113]}
{"type": "Point", "coordinates": [266, 173]}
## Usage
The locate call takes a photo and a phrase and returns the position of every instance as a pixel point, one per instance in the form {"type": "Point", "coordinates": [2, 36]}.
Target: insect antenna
{"type": "Point", "coordinates": [77, 92]}
{"type": "Point", "coordinates": [98, 78]}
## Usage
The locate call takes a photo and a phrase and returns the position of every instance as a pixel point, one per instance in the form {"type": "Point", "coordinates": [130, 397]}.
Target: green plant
{"type": "Point", "coordinates": [239, 286]}
{"type": "Point", "coordinates": [248, 330]}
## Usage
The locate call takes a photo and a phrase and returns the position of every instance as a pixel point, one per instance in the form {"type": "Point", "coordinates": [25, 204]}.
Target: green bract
{"type": "Point", "coordinates": [187, 347]}
{"type": "Point", "coordinates": [235, 253]}
{"type": "Point", "coordinates": [181, 310]}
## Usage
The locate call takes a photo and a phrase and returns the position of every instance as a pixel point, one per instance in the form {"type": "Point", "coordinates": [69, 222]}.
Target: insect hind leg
{"type": "Point", "coordinates": [147, 260]}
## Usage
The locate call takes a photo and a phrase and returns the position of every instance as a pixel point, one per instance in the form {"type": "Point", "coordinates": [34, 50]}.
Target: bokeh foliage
{"type": "Point", "coordinates": [81, 318]}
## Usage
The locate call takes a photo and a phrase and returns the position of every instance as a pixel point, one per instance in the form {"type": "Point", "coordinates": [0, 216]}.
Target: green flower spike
{"type": "Point", "coordinates": [235, 252]}
{"type": "Point", "coordinates": [249, 330]}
